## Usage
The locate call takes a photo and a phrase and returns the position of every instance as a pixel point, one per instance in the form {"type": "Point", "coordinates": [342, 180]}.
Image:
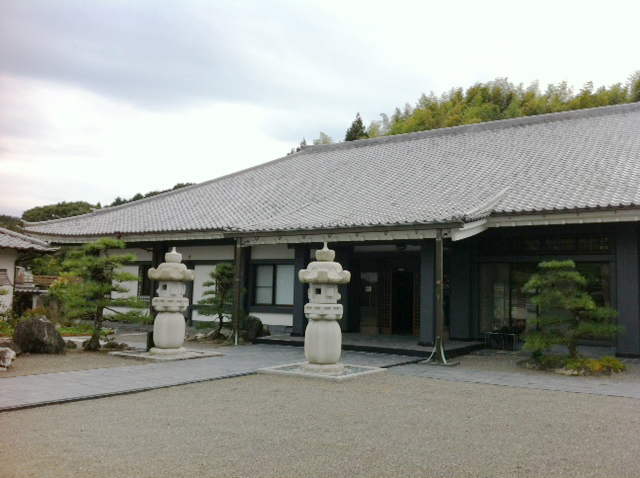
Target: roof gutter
{"type": "Point", "coordinates": [357, 234]}
{"type": "Point", "coordinates": [140, 237]}
{"type": "Point", "coordinates": [576, 216]}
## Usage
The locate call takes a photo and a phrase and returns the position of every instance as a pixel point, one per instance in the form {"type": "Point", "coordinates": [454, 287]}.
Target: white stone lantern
{"type": "Point", "coordinates": [169, 326]}
{"type": "Point", "coordinates": [323, 337]}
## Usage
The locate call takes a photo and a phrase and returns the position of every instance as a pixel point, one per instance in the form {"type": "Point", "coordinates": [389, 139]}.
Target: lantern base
{"type": "Point", "coordinates": [322, 367]}
{"type": "Point", "coordinates": [159, 351]}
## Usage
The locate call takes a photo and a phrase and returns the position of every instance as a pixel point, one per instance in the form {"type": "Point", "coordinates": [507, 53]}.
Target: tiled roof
{"type": "Point", "coordinates": [15, 240]}
{"type": "Point", "coordinates": [571, 160]}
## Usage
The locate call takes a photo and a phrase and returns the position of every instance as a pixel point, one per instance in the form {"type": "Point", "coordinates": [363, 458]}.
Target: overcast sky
{"type": "Point", "coordinates": [109, 98]}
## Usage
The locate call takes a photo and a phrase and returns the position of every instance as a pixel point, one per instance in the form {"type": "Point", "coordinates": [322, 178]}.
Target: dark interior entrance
{"type": "Point", "coordinates": [388, 299]}
{"type": "Point", "coordinates": [402, 298]}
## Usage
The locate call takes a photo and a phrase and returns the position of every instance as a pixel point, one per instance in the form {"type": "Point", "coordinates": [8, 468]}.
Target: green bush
{"type": "Point", "coordinates": [6, 328]}
{"type": "Point", "coordinates": [580, 365]}
{"type": "Point", "coordinates": [589, 366]}
{"type": "Point", "coordinates": [80, 329]}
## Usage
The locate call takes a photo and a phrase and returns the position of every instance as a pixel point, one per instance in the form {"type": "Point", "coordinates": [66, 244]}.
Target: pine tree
{"type": "Point", "coordinates": [356, 130]}
{"type": "Point", "coordinates": [91, 283]}
{"type": "Point", "coordinates": [567, 312]}
{"type": "Point", "coordinates": [219, 298]}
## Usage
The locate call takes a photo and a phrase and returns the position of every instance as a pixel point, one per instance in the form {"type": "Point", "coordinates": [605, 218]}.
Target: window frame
{"type": "Point", "coordinates": [272, 307]}
{"type": "Point", "coordinates": [144, 282]}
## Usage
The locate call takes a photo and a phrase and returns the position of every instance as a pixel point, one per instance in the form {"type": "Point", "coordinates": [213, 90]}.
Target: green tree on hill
{"type": "Point", "coordinates": [58, 211]}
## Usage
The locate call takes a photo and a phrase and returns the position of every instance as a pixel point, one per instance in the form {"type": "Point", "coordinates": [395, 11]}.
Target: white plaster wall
{"type": "Point", "coordinates": [272, 251]}
{"type": "Point", "coordinates": [195, 316]}
{"type": "Point", "coordinates": [274, 319]}
{"type": "Point", "coordinates": [131, 286]}
{"type": "Point", "coordinates": [203, 274]}
{"type": "Point", "coordinates": [267, 319]}
{"type": "Point", "coordinates": [8, 261]}
{"type": "Point", "coordinates": [207, 253]}
{"type": "Point", "coordinates": [141, 254]}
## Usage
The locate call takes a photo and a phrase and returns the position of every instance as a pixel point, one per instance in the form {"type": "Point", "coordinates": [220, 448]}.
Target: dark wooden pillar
{"type": "Point", "coordinates": [427, 293]}
{"type": "Point", "coordinates": [344, 255]}
{"type": "Point", "coordinates": [238, 268]}
{"type": "Point", "coordinates": [301, 259]}
{"type": "Point", "coordinates": [157, 258]}
{"type": "Point", "coordinates": [439, 285]}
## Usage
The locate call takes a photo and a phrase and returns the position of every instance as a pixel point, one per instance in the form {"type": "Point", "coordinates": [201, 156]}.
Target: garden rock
{"type": "Point", "coordinates": [38, 335]}
{"type": "Point", "coordinates": [12, 345]}
{"type": "Point", "coordinates": [7, 356]}
{"type": "Point", "coordinates": [253, 329]}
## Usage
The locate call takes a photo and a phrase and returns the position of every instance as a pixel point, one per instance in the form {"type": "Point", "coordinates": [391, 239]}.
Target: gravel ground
{"type": "Point", "coordinates": [375, 426]}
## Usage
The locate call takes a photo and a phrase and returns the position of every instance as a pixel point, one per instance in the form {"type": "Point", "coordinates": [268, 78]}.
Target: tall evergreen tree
{"type": "Point", "coordinates": [92, 282]}
{"type": "Point", "coordinates": [356, 130]}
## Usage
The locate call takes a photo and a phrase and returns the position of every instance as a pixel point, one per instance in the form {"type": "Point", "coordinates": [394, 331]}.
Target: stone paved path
{"type": "Point", "coordinates": [36, 390]}
{"type": "Point", "coordinates": [523, 380]}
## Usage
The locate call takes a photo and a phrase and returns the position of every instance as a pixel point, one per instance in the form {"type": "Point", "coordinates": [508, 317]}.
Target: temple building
{"type": "Point", "coordinates": [480, 204]}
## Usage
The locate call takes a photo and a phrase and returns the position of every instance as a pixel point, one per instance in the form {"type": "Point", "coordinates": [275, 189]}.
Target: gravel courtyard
{"type": "Point", "coordinates": [377, 426]}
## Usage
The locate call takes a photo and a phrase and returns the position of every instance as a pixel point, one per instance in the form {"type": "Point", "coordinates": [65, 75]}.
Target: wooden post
{"type": "Point", "coordinates": [439, 266]}
{"type": "Point", "coordinates": [438, 355]}
{"type": "Point", "coordinates": [237, 288]}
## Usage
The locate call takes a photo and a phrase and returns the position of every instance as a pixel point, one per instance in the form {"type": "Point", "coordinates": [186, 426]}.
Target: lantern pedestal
{"type": "Point", "coordinates": [168, 331]}
{"type": "Point", "coordinates": [323, 346]}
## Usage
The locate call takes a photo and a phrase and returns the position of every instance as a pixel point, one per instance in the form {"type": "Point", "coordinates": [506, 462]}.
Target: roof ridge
{"type": "Point", "coordinates": [485, 208]}
{"type": "Point", "coordinates": [484, 126]}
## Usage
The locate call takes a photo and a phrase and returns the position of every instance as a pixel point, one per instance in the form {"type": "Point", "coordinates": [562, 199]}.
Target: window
{"type": "Point", "coordinates": [503, 304]}
{"type": "Point", "coordinates": [587, 244]}
{"type": "Point", "coordinates": [273, 284]}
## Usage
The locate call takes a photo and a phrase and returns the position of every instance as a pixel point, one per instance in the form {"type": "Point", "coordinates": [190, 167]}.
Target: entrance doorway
{"type": "Point", "coordinates": [388, 299]}
{"type": "Point", "coordinates": [402, 302]}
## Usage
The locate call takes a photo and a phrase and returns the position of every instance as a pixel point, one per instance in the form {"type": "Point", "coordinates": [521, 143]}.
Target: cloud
{"type": "Point", "coordinates": [108, 98]}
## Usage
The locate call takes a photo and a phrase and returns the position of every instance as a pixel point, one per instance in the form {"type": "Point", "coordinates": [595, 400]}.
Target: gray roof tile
{"type": "Point", "coordinates": [14, 240]}
{"type": "Point", "coordinates": [577, 159]}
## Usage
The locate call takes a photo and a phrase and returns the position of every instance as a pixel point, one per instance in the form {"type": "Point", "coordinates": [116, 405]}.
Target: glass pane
{"type": "Point", "coordinates": [264, 276]}
{"type": "Point", "coordinates": [263, 295]}
{"type": "Point", "coordinates": [285, 276]}
{"type": "Point", "coordinates": [598, 281]}
{"type": "Point", "coordinates": [494, 296]}
{"type": "Point", "coordinates": [523, 310]}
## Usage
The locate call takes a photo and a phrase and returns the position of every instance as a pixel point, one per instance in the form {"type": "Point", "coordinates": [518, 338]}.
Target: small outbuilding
{"type": "Point", "coordinates": [15, 279]}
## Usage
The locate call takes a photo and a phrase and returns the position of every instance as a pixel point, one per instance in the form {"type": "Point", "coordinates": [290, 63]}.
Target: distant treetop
{"type": "Point", "coordinates": [490, 101]}
{"type": "Point", "coordinates": [68, 209]}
